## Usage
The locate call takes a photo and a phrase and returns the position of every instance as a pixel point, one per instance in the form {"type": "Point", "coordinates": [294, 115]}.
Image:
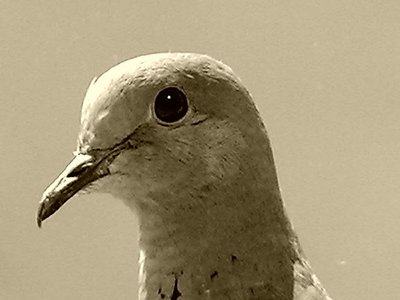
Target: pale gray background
{"type": "Point", "coordinates": [324, 74]}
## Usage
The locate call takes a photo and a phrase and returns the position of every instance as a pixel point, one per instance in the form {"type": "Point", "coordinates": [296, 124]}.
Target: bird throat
{"type": "Point", "coordinates": [243, 249]}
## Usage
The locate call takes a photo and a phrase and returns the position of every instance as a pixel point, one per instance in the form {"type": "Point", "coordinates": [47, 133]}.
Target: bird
{"type": "Point", "coordinates": [178, 138]}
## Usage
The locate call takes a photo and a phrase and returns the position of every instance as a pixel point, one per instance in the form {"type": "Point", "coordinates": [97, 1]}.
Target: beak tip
{"type": "Point", "coordinates": [39, 222]}
{"type": "Point", "coordinates": [40, 214]}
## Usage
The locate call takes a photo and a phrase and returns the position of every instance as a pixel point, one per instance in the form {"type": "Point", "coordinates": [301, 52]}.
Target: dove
{"type": "Point", "coordinates": [178, 138]}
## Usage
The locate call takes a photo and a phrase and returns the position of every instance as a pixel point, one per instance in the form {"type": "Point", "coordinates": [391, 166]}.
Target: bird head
{"type": "Point", "coordinates": [160, 128]}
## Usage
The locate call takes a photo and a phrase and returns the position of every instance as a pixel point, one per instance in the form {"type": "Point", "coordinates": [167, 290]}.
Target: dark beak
{"type": "Point", "coordinates": [81, 171]}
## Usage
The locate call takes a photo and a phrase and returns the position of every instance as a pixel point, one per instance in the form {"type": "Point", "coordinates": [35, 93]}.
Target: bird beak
{"type": "Point", "coordinates": [81, 171]}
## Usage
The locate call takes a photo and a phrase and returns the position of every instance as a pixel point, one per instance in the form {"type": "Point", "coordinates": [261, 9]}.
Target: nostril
{"type": "Point", "coordinates": [79, 170]}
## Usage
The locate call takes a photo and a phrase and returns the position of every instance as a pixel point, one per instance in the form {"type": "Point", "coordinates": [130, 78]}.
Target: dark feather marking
{"type": "Point", "coordinates": [175, 293]}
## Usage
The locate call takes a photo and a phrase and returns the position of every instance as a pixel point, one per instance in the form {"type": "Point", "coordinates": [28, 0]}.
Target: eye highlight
{"type": "Point", "coordinates": [170, 105]}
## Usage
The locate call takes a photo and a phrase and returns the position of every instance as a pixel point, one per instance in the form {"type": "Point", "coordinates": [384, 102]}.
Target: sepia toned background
{"type": "Point", "coordinates": [324, 74]}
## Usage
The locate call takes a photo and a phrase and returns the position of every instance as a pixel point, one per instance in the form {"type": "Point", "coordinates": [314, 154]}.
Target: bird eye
{"type": "Point", "coordinates": [170, 105]}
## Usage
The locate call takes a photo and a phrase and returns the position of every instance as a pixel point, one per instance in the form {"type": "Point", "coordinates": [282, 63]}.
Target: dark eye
{"type": "Point", "coordinates": [170, 105]}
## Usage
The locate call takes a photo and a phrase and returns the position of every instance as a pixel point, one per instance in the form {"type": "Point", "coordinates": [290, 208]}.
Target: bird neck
{"type": "Point", "coordinates": [243, 249]}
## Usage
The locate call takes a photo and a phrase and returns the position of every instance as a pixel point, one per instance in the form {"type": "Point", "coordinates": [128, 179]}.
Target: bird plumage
{"type": "Point", "coordinates": [203, 187]}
